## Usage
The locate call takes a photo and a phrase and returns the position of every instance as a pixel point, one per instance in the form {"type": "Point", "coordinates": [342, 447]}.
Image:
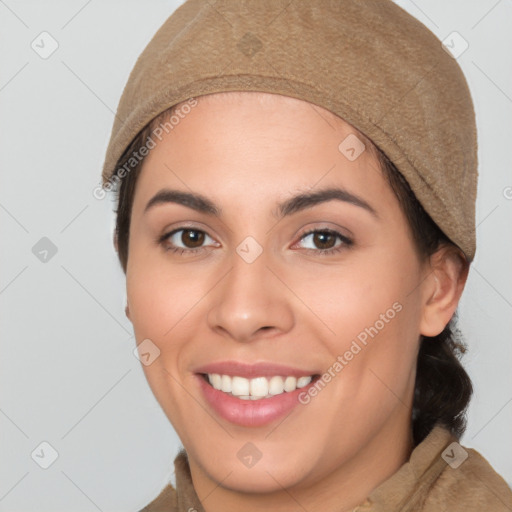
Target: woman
{"type": "Point", "coordinates": [296, 222]}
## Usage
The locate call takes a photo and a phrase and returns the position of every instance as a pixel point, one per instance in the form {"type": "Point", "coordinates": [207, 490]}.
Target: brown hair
{"type": "Point", "coordinates": [443, 389]}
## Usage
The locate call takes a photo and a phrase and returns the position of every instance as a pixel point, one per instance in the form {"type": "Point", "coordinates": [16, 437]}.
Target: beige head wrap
{"type": "Point", "coordinates": [369, 62]}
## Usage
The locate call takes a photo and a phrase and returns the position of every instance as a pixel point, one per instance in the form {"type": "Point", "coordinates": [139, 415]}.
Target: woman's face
{"type": "Point", "coordinates": [328, 286]}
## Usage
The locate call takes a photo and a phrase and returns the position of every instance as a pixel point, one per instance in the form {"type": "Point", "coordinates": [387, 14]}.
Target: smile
{"type": "Point", "coordinates": [256, 388]}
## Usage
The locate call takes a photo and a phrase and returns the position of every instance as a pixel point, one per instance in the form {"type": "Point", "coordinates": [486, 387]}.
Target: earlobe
{"type": "Point", "coordinates": [443, 289]}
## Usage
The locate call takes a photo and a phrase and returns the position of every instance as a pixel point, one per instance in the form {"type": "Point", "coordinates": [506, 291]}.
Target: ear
{"type": "Point", "coordinates": [127, 312]}
{"type": "Point", "coordinates": [445, 281]}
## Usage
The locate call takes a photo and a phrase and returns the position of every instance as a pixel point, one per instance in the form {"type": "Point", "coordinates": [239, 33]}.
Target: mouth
{"type": "Point", "coordinates": [253, 394]}
{"type": "Point", "coordinates": [251, 401]}
{"type": "Point", "coordinates": [257, 388]}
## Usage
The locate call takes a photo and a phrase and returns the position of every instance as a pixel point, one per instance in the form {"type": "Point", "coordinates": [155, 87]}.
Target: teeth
{"type": "Point", "coordinates": [257, 388]}
{"type": "Point", "coordinates": [216, 381]}
{"type": "Point", "coordinates": [303, 381]}
{"type": "Point", "coordinates": [226, 383]}
{"type": "Point", "coordinates": [276, 386]}
{"type": "Point", "coordinates": [239, 386]}
{"type": "Point", "coordinates": [290, 384]}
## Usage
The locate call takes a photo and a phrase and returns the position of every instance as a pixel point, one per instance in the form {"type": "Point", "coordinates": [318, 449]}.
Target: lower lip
{"type": "Point", "coordinates": [250, 413]}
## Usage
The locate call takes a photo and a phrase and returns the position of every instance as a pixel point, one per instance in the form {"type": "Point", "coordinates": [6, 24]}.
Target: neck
{"type": "Point", "coordinates": [344, 488]}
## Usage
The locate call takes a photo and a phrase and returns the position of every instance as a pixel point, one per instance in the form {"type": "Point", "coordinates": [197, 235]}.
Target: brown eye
{"type": "Point", "coordinates": [192, 238]}
{"type": "Point", "coordinates": [185, 240]}
{"type": "Point", "coordinates": [324, 239]}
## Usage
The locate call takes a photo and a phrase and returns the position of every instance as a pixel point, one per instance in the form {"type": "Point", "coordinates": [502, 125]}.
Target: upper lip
{"type": "Point", "coordinates": [260, 369]}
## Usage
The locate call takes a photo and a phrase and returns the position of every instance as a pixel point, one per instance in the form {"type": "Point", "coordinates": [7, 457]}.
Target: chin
{"type": "Point", "coordinates": [260, 479]}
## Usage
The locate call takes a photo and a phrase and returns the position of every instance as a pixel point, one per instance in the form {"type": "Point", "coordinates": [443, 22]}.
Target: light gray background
{"type": "Point", "coordinates": [68, 374]}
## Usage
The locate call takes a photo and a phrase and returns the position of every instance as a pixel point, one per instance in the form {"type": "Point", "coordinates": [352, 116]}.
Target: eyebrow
{"type": "Point", "coordinates": [290, 206]}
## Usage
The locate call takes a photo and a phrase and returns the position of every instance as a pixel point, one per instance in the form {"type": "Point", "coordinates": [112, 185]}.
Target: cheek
{"type": "Point", "coordinates": [160, 296]}
{"type": "Point", "coordinates": [349, 298]}
{"type": "Point", "coordinates": [162, 309]}
{"type": "Point", "coordinates": [373, 319]}
{"type": "Point", "coordinates": [168, 306]}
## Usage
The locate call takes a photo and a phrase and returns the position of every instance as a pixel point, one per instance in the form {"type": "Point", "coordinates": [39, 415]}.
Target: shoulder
{"type": "Point", "coordinates": [468, 482]}
{"type": "Point", "coordinates": [166, 501]}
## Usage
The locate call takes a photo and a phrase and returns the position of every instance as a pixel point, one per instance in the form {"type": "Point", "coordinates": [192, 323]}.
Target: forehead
{"type": "Point", "coordinates": [268, 142]}
{"type": "Point", "coordinates": [269, 102]}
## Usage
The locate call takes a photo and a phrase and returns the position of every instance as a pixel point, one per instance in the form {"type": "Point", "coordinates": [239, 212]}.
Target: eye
{"type": "Point", "coordinates": [184, 240]}
{"type": "Point", "coordinates": [190, 240]}
{"type": "Point", "coordinates": [325, 240]}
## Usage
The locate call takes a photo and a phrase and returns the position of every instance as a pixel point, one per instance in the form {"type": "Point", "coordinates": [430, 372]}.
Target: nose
{"type": "Point", "coordinates": [250, 302]}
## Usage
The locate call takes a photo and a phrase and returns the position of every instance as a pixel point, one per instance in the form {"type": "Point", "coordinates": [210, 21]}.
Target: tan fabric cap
{"type": "Point", "coordinates": [370, 62]}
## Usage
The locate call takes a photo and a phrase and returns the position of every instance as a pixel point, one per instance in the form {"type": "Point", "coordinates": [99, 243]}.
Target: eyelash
{"type": "Point", "coordinates": [347, 242]}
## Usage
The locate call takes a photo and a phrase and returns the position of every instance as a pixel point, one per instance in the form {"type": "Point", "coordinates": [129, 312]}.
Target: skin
{"type": "Point", "coordinates": [247, 152]}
